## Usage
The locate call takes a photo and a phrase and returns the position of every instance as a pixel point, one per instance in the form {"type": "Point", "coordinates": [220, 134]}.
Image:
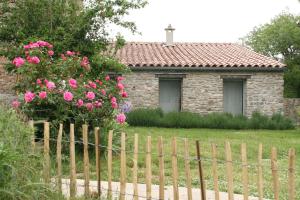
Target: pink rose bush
{"type": "Point", "coordinates": [65, 87]}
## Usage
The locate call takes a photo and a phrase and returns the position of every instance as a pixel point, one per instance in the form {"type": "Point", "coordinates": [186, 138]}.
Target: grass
{"type": "Point", "coordinates": [282, 140]}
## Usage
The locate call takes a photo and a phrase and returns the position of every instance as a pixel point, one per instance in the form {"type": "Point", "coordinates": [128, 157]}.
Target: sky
{"type": "Point", "coordinates": [204, 20]}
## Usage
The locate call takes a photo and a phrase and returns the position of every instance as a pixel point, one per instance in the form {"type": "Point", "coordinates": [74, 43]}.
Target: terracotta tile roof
{"type": "Point", "coordinates": [193, 55]}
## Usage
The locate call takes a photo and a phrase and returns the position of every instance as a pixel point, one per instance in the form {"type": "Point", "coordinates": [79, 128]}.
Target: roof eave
{"type": "Point", "coordinates": [210, 69]}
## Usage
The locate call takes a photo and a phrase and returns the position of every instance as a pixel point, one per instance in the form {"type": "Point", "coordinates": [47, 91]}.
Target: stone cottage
{"type": "Point", "coordinates": [202, 77]}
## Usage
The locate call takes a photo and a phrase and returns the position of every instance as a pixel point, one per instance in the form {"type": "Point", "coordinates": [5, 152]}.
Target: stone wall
{"type": "Point", "coordinates": [264, 93]}
{"type": "Point", "coordinates": [6, 84]}
{"type": "Point", "coordinates": [292, 109]}
{"type": "Point", "coordinates": [142, 88]}
{"type": "Point", "coordinates": [202, 92]}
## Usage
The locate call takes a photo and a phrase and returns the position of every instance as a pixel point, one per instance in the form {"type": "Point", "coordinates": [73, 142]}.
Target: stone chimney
{"type": "Point", "coordinates": [169, 35]}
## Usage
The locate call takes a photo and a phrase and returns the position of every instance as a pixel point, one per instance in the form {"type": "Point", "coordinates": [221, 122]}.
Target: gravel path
{"type": "Point", "coordinates": [142, 191]}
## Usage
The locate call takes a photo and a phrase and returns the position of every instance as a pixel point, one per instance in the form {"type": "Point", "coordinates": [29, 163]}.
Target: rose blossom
{"type": "Point", "coordinates": [107, 78]}
{"type": "Point", "coordinates": [85, 63]}
{"type": "Point", "coordinates": [121, 118]}
{"type": "Point", "coordinates": [15, 104]}
{"type": "Point", "coordinates": [43, 95]}
{"type": "Point", "coordinates": [33, 60]}
{"type": "Point", "coordinates": [124, 94]}
{"type": "Point", "coordinates": [79, 103]}
{"type": "Point", "coordinates": [68, 96]}
{"type": "Point", "coordinates": [103, 92]}
{"type": "Point", "coordinates": [98, 104]}
{"type": "Point", "coordinates": [50, 85]}
{"type": "Point", "coordinates": [70, 53]}
{"type": "Point", "coordinates": [89, 106]}
{"type": "Point", "coordinates": [90, 95]}
{"type": "Point", "coordinates": [38, 81]}
{"type": "Point", "coordinates": [120, 78]}
{"type": "Point", "coordinates": [92, 84]}
{"type": "Point", "coordinates": [120, 86]}
{"type": "Point", "coordinates": [50, 53]}
{"type": "Point", "coordinates": [29, 96]}
{"type": "Point", "coordinates": [18, 62]}
{"type": "Point", "coordinates": [73, 83]}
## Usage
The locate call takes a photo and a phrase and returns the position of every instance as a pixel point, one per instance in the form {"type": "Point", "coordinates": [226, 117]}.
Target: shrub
{"type": "Point", "coordinates": [155, 117]}
{"type": "Point", "coordinates": [19, 166]}
{"type": "Point", "coordinates": [144, 117]}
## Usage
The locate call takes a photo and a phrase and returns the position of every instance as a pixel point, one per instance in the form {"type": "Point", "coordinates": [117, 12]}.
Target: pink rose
{"type": "Point", "coordinates": [18, 62]}
{"type": "Point", "coordinates": [85, 63]}
{"type": "Point", "coordinates": [38, 81]}
{"type": "Point", "coordinates": [92, 84]}
{"type": "Point", "coordinates": [120, 86]}
{"type": "Point", "coordinates": [43, 43]}
{"type": "Point", "coordinates": [29, 96]}
{"type": "Point", "coordinates": [103, 92]}
{"type": "Point", "coordinates": [68, 96]}
{"type": "Point", "coordinates": [50, 85]}
{"type": "Point", "coordinates": [15, 104]}
{"type": "Point", "coordinates": [120, 78]}
{"type": "Point", "coordinates": [63, 57]}
{"type": "Point", "coordinates": [124, 94]}
{"type": "Point", "coordinates": [114, 105]}
{"type": "Point", "coordinates": [90, 95]}
{"type": "Point", "coordinates": [70, 53]}
{"type": "Point", "coordinates": [107, 78]}
{"type": "Point", "coordinates": [73, 83]}
{"type": "Point", "coordinates": [89, 106]}
{"type": "Point", "coordinates": [50, 53]}
{"type": "Point", "coordinates": [97, 104]}
{"type": "Point", "coordinates": [43, 95]}
{"type": "Point", "coordinates": [33, 60]}
{"type": "Point", "coordinates": [79, 103]}
{"type": "Point", "coordinates": [121, 118]}
{"type": "Point", "coordinates": [113, 99]}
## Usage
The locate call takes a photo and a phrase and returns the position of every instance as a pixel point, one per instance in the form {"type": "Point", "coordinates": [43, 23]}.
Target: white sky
{"type": "Point", "coordinates": [205, 20]}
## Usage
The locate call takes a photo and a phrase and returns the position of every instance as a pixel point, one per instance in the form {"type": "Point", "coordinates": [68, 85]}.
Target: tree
{"type": "Point", "coordinates": [281, 39]}
{"type": "Point", "coordinates": [64, 23]}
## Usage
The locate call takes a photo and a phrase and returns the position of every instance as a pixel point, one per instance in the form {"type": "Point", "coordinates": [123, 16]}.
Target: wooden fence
{"type": "Point", "coordinates": [228, 162]}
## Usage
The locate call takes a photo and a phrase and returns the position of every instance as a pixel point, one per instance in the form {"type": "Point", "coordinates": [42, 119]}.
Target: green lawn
{"type": "Point", "coordinates": [282, 140]}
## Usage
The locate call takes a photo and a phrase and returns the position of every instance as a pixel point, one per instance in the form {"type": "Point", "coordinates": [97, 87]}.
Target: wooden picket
{"type": "Point", "coordinates": [243, 165]}
{"type": "Point", "coordinates": [58, 158]}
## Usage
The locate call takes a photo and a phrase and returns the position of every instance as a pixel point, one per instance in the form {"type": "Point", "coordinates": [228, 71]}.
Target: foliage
{"type": "Point", "coordinates": [65, 23]}
{"type": "Point", "coordinates": [154, 117]}
{"type": "Point", "coordinates": [281, 38]}
{"type": "Point", "coordinates": [61, 89]}
{"type": "Point", "coordinates": [19, 166]}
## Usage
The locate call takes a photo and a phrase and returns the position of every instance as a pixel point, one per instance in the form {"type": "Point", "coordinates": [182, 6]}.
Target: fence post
{"type": "Point", "coordinates": [244, 170]}
{"type": "Point", "coordinates": [148, 169]}
{"type": "Point", "coordinates": [260, 173]}
{"type": "Point", "coordinates": [175, 169]}
{"type": "Point", "coordinates": [46, 153]}
{"type": "Point", "coordinates": [97, 154]}
{"type": "Point", "coordinates": [123, 168]}
{"type": "Point", "coordinates": [58, 158]}
{"type": "Point", "coordinates": [201, 176]}
{"type": "Point", "coordinates": [135, 167]}
{"type": "Point", "coordinates": [31, 125]}
{"type": "Point", "coordinates": [291, 174]}
{"type": "Point", "coordinates": [86, 162]}
{"type": "Point", "coordinates": [109, 164]}
{"type": "Point", "coordinates": [187, 169]}
{"type": "Point", "coordinates": [214, 171]}
{"type": "Point", "coordinates": [72, 163]}
{"type": "Point", "coordinates": [229, 169]}
{"type": "Point", "coordinates": [274, 168]}
{"type": "Point", "coordinates": [161, 169]}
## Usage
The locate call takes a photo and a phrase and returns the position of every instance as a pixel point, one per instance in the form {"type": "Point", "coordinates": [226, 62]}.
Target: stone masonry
{"type": "Point", "coordinates": [202, 92]}
{"type": "Point", "coordinates": [292, 109]}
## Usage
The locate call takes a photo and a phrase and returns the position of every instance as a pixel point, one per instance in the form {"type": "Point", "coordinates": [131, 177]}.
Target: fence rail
{"type": "Point", "coordinates": [148, 154]}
